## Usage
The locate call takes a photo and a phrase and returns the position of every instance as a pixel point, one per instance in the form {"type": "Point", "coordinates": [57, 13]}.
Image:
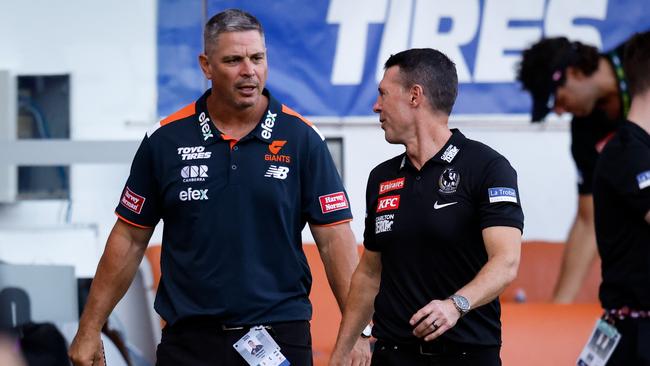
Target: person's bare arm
{"type": "Point", "coordinates": [359, 307]}
{"type": "Point", "coordinates": [579, 253]}
{"type": "Point", "coordinates": [338, 251]}
{"type": "Point", "coordinates": [503, 246]}
{"type": "Point", "coordinates": [124, 250]}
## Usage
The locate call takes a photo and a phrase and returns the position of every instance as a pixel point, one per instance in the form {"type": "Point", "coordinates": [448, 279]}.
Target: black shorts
{"type": "Point", "coordinates": [634, 346]}
{"type": "Point", "coordinates": [203, 341]}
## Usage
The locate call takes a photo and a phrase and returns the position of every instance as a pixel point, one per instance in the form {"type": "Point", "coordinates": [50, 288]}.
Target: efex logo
{"type": "Point", "coordinates": [193, 195]}
{"type": "Point", "coordinates": [275, 148]}
{"type": "Point", "coordinates": [205, 126]}
{"type": "Point", "coordinates": [267, 125]}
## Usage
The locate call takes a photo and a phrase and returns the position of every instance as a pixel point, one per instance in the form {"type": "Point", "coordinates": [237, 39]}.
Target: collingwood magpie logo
{"type": "Point", "coordinates": [448, 181]}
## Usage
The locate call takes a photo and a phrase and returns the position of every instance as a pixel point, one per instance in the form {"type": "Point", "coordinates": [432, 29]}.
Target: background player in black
{"type": "Point", "coordinates": [573, 77]}
{"type": "Point", "coordinates": [622, 212]}
{"type": "Point", "coordinates": [235, 62]}
{"type": "Point", "coordinates": [442, 232]}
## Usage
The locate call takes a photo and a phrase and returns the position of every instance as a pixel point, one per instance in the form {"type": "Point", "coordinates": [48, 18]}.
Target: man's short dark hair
{"type": "Point", "coordinates": [230, 20]}
{"type": "Point", "coordinates": [431, 69]}
{"type": "Point", "coordinates": [636, 63]}
{"type": "Point", "coordinates": [543, 68]}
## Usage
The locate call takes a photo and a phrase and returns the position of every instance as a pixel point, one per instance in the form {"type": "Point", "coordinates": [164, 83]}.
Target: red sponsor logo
{"type": "Point", "coordinates": [391, 185]}
{"type": "Point", "coordinates": [132, 201]}
{"type": "Point", "coordinates": [388, 203]}
{"type": "Point", "coordinates": [333, 202]}
{"type": "Point", "coordinates": [275, 148]}
{"type": "Point", "coordinates": [276, 145]}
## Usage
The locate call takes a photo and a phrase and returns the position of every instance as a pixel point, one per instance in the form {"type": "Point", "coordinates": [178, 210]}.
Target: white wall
{"type": "Point", "coordinates": [539, 153]}
{"type": "Point", "coordinates": [109, 50]}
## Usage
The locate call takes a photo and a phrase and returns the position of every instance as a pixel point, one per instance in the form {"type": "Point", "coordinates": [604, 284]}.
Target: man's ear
{"type": "Point", "coordinates": [416, 93]}
{"type": "Point", "coordinates": [205, 66]}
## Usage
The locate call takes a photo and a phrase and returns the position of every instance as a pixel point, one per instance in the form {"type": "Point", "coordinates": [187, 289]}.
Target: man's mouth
{"type": "Point", "coordinates": [247, 88]}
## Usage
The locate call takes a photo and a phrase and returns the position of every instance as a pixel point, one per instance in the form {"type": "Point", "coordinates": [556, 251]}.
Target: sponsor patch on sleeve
{"type": "Point", "coordinates": [388, 203]}
{"type": "Point", "coordinates": [643, 179]}
{"type": "Point", "coordinates": [333, 202]}
{"type": "Point", "coordinates": [502, 194]}
{"type": "Point", "coordinates": [391, 185]}
{"type": "Point", "coordinates": [132, 200]}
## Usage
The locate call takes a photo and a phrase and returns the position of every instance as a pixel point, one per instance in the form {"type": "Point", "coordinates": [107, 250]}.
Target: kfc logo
{"type": "Point", "coordinates": [388, 203]}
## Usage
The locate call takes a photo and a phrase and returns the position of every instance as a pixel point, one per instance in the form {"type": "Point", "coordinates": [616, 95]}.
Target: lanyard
{"type": "Point", "coordinates": [622, 83]}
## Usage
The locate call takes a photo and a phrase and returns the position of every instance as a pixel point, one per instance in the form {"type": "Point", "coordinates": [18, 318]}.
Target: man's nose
{"type": "Point", "coordinates": [247, 68]}
{"type": "Point", "coordinates": [376, 107]}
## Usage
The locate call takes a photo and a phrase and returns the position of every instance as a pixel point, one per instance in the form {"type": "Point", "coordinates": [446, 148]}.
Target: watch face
{"type": "Point", "coordinates": [461, 302]}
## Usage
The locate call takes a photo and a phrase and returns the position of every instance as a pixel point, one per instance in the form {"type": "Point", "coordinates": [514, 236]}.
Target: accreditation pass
{"type": "Point", "coordinates": [604, 339]}
{"type": "Point", "coordinates": [258, 348]}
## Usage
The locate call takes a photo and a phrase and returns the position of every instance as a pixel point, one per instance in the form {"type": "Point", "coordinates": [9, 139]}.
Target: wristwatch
{"type": "Point", "coordinates": [461, 303]}
{"type": "Point", "coordinates": [367, 331]}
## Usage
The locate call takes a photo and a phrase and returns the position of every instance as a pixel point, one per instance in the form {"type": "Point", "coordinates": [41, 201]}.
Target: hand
{"type": "Point", "coordinates": [434, 319]}
{"type": "Point", "coordinates": [359, 355]}
{"type": "Point", "coordinates": [86, 350]}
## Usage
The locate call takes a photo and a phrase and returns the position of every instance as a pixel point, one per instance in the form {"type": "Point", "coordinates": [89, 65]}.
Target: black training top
{"type": "Point", "coordinates": [428, 226]}
{"type": "Point", "coordinates": [233, 213]}
{"type": "Point", "coordinates": [621, 201]}
{"type": "Point", "coordinates": [590, 134]}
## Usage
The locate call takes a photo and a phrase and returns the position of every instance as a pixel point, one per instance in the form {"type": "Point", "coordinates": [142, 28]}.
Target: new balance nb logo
{"type": "Point", "coordinates": [278, 172]}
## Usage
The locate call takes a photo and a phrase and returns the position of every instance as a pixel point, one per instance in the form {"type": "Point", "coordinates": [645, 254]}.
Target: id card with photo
{"type": "Point", "coordinates": [602, 343]}
{"type": "Point", "coordinates": [258, 348]}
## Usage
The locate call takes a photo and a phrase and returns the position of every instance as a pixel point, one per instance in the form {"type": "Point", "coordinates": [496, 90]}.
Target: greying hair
{"type": "Point", "coordinates": [432, 70]}
{"type": "Point", "coordinates": [231, 20]}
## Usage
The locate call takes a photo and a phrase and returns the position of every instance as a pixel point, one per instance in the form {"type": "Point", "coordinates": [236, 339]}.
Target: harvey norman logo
{"type": "Point", "coordinates": [132, 200]}
{"type": "Point", "coordinates": [333, 202]}
{"type": "Point", "coordinates": [204, 122]}
{"type": "Point", "coordinates": [267, 125]}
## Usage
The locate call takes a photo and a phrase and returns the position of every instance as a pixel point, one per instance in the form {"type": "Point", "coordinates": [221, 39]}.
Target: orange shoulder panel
{"type": "Point", "coordinates": [289, 111]}
{"type": "Point", "coordinates": [186, 111]}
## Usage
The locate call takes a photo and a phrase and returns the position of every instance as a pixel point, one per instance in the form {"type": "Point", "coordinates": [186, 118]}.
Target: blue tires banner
{"type": "Point", "coordinates": [326, 56]}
